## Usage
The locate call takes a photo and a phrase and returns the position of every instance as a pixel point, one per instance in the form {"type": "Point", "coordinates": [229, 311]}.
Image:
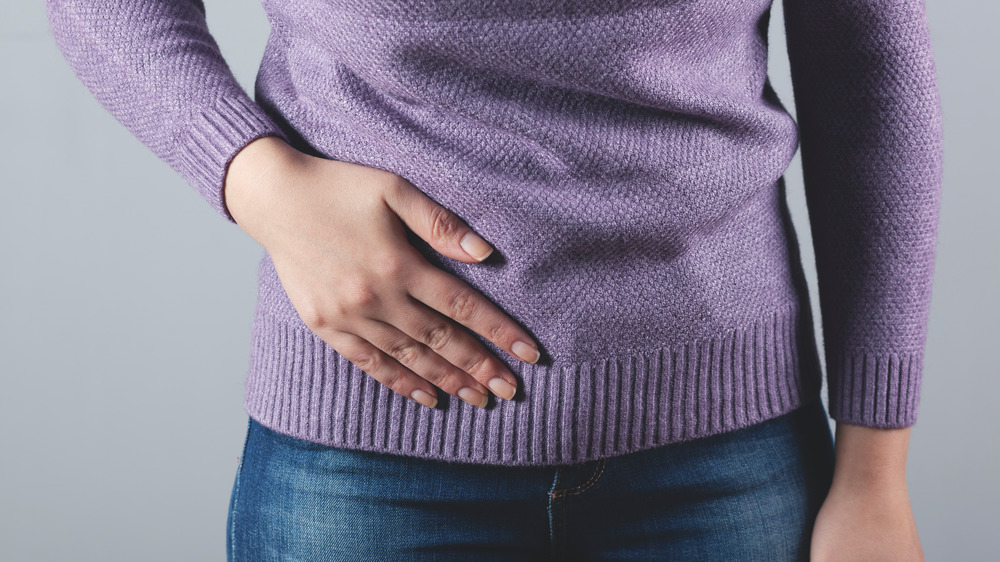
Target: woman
{"type": "Point", "coordinates": [577, 207]}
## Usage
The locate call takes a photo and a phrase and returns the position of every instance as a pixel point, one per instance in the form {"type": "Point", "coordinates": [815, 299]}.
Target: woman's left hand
{"type": "Point", "coordinates": [866, 521]}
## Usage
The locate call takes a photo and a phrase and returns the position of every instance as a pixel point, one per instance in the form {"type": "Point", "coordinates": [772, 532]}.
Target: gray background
{"type": "Point", "coordinates": [126, 306]}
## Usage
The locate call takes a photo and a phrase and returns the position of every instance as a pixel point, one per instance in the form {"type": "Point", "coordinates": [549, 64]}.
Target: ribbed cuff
{"type": "Point", "coordinates": [214, 136]}
{"type": "Point", "coordinates": [875, 389]}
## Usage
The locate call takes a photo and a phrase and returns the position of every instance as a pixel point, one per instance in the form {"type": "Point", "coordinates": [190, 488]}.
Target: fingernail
{"type": "Point", "coordinates": [526, 352]}
{"type": "Point", "coordinates": [473, 397]}
{"type": "Point", "coordinates": [424, 398]}
{"type": "Point", "coordinates": [502, 388]}
{"type": "Point", "coordinates": [476, 246]}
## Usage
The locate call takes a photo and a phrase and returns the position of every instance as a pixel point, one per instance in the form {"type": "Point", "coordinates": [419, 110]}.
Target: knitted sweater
{"type": "Point", "coordinates": [624, 159]}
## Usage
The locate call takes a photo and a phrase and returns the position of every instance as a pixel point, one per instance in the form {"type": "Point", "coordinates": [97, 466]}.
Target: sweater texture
{"type": "Point", "coordinates": [624, 158]}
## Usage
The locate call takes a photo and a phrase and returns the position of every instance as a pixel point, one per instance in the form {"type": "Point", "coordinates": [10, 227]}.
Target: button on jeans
{"type": "Point", "coordinates": [748, 494]}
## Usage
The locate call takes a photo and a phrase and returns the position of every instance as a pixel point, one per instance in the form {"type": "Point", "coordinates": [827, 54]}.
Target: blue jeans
{"type": "Point", "coordinates": [748, 494]}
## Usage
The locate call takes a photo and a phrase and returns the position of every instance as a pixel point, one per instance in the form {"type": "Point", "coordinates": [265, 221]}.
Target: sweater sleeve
{"type": "Point", "coordinates": [154, 66]}
{"type": "Point", "coordinates": [869, 117]}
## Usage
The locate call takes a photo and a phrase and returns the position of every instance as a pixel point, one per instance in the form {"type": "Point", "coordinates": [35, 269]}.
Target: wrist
{"type": "Point", "coordinates": [248, 172]}
{"type": "Point", "coordinates": [870, 457]}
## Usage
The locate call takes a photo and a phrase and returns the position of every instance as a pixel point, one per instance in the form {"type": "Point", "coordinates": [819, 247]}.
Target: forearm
{"type": "Point", "coordinates": [156, 68]}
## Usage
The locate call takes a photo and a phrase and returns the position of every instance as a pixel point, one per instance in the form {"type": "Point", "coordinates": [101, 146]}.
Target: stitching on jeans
{"type": "Point", "coordinates": [236, 492]}
{"type": "Point", "coordinates": [583, 487]}
{"type": "Point", "coordinates": [553, 517]}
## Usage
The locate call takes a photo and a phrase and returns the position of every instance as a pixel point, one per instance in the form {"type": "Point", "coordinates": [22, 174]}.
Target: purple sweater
{"type": "Point", "coordinates": [624, 158]}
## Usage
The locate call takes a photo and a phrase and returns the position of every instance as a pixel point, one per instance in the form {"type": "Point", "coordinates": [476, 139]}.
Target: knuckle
{"type": "Point", "coordinates": [462, 306]}
{"type": "Point", "coordinates": [444, 224]}
{"type": "Point", "coordinates": [313, 317]}
{"type": "Point", "coordinates": [438, 336]}
{"type": "Point", "coordinates": [478, 365]}
{"type": "Point", "coordinates": [496, 331]}
{"type": "Point", "coordinates": [367, 361]}
{"type": "Point", "coordinates": [406, 352]}
{"type": "Point", "coordinates": [360, 294]}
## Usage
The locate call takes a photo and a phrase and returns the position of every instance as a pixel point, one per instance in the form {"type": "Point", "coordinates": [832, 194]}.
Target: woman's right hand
{"type": "Point", "coordinates": [335, 232]}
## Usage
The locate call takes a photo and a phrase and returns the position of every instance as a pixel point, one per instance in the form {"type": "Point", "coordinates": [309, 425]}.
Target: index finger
{"type": "Point", "coordinates": [454, 298]}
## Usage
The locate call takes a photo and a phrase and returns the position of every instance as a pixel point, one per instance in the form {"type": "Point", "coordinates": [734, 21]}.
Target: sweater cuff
{"type": "Point", "coordinates": [875, 389]}
{"type": "Point", "coordinates": [213, 137]}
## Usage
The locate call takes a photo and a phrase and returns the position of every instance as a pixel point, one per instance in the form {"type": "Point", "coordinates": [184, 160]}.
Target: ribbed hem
{"type": "Point", "coordinates": [214, 136]}
{"type": "Point", "coordinates": [562, 414]}
{"type": "Point", "coordinates": [875, 389]}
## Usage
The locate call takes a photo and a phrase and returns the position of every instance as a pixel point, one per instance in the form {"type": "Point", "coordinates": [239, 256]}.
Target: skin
{"type": "Point", "coordinates": [335, 232]}
{"type": "Point", "coordinates": [867, 513]}
{"type": "Point", "coordinates": [359, 285]}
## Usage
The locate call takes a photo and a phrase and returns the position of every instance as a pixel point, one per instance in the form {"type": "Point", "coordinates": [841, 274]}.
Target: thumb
{"type": "Point", "coordinates": [438, 226]}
